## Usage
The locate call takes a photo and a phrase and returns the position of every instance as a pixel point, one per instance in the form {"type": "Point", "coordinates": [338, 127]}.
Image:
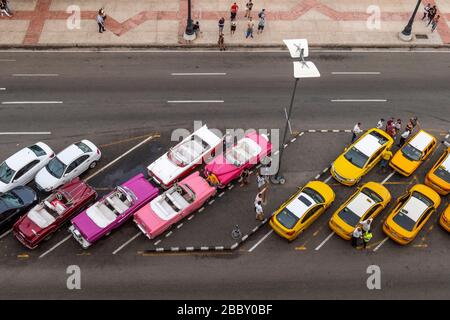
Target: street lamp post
{"type": "Point", "coordinates": [406, 34]}
{"type": "Point", "coordinates": [189, 33]}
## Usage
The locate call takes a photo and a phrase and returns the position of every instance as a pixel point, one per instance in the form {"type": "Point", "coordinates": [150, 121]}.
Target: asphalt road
{"type": "Point", "coordinates": [117, 99]}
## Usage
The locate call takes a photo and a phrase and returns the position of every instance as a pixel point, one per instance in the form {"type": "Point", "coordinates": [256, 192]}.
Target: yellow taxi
{"type": "Point", "coordinates": [438, 177]}
{"type": "Point", "coordinates": [301, 209]}
{"type": "Point", "coordinates": [361, 156]}
{"type": "Point", "coordinates": [367, 202]}
{"type": "Point", "coordinates": [411, 213]}
{"type": "Point", "coordinates": [444, 221]}
{"type": "Point", "coordinates": [413, 153]}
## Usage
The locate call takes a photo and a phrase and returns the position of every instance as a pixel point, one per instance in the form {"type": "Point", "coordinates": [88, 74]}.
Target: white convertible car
{"type": "Point", "coordinates": [184, 157]}
{"type": "Point", "coordinates": [22, 167]}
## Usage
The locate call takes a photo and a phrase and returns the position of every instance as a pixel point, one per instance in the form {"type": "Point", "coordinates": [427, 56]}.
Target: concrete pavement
{"type": "Point", "coordinates": [156, 23]}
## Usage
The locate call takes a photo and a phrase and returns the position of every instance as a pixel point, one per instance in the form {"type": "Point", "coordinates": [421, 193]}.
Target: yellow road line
{"type": "Point", "coordinates": [301, 248]}
{"type": "Point", "coordinates": [23, 256]}
{"type": "Point", "coordinates": [156, 135]}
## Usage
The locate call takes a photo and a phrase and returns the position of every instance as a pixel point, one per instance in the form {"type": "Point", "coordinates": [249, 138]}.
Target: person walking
{"type": "Point", "coordinates": [425, 11]}
{"type": "Point", "coordinates": [431, 13]}
{"type": "Point", "coordinates": [258, 198]}
{"type": "Point", "coordinates": [263, 186]}
{"type": "Point", "coordinates": [356, 131]}
{"type": "Point", "coordinates": [435, 23]}
{"type": "Point", "coordinates": [233, 25]}
{"type": "Point", "coordinates": [367, 236]}
{"type": "Point", "coordinates": [197, 28]}
{"type": "Point", "coordinates": [262, 14]}
{"type": "Point", "coordinates": [249, 6]}
{"type": "Point", "coordinates": [259, 211]}
{"type": "Point", "coordinates": [385, 158]}
{"type": "Point", "coordinates": [234, 10]}
{"type": "Point", "coordinates": [221, 42]}
{"type": "Point", "coordinates": [398, 125]}
{"type": "Point", "coordinates": [380, 124]}
{"type": "Point", "coordinates": [261, 24]}
{"type": "Point", "coordinates": [245, 174]}
{"type": "Point", "coordinates": [101, 21]}
{"type": "Point", "coordinates": [356, 235]}
{"type": "Point", "coordinates": [366, 224]}
{"type": "Point", "coordinates": [221, 25]}
{"type": "Point", "coordinates": [389, 123]}
{"type": "Point", "coordinates": [250, 26]}
{"type": "Point", "coordinates": [414, 122]}
{"type": "Point", "coordinates": [403, 138]}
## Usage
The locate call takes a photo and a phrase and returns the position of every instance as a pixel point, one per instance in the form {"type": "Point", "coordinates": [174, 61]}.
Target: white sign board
{"type": "Point", "coordinates": [305, 70]}
{"type": "Point", "coordinates": [295, 47]}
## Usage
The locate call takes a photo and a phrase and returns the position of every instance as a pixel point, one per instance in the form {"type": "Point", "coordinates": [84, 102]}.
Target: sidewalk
{"type": "Point", "coordinates": [162, 22]}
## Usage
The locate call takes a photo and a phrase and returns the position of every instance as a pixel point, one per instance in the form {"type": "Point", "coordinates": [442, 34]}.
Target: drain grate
{"type": "Point", "coordinates": [421, 36]}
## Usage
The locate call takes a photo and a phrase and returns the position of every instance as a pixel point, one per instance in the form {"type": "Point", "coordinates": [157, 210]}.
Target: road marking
{"type": "Point", "coordinates": [127, 242]}
{"type": "Point", "coordinates": [157, 242]}
{"type": "Point", "coordinates": [381, 243]}
{"type": "Point", "coordinates": [261, 240]}
{"type": "Point", "coordinates": [354, 72]}
{"type": "Point", "coordinates": [358, 100]}
{"type": "Point", "coordinates": [324, 241]}
{"type": "Point", "coordinates": [121, 156]}
{"type": "Point", "coordinates": [7, 60]}
{"type": "Point", "coordinates": [301, 248]}
{"type": "Point", "coordinates": [179, 226]}
{"type": "Point", "coordinates": [55, 246]}
{"type": "Point", "coordinates": [198, 74]}
{"type": "Point", "coordinates": [328, 179]}
{"type": "Point", "coordinates": [388, 177]}
{"type": "Point", "coordinates": [35, 75]}
{"type": "Point", "coordinates": [30, 102]}
{"type": "Point", "coordinates": [25, 133]}
{"type": "Point", "coordinates": [169, 234]}
{"type": "Point", "coordinates": [191, 217]}
{"type": "Point", "coordinates": [195, 101]}
{"type": "Point", "coordinates": [5, 234]}
{"type": "Point", "coordinates": [2, 89]}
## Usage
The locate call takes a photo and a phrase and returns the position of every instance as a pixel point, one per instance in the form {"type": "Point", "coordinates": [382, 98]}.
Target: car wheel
{"type": "Point", "coordinates": [93, 165]}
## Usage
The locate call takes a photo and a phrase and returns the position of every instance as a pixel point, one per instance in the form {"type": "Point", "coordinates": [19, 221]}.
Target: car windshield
{"type": "Point", "coordinates": [356, 157]}
{"type": "Point", "coordinates": [372, 195]}
{"type": "Point", "coordinates": [314, 195]}
{"type": "Point", "coordinates": [56, 167]}
{"type": "Point", "coordinates": [411, 153]}
{"type": "Point", "coordinates": [443, 173]}
{"type": "Point", "coordinates": [6, 173]}
{"type": "Point", "coordinates": [349, 217]}
{"type": "Point", "coordinates": [11, 200]}
{"type": "Point", "coordinates": [287, 218]}
{"type": "Point", "coordinates": [38, 151]}
{"type": "Point", "coordinates": [188, 151]}
{"type": "Point", "coordinates": [83, 147]}
{"type": "Point", "coordinates": [402, 218]}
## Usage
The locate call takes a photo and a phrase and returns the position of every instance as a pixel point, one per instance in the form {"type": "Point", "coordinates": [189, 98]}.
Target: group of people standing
{"type": "Point", "coordinates": [362, 232]}
{"type": "Point", "coordinates": [430, 13]}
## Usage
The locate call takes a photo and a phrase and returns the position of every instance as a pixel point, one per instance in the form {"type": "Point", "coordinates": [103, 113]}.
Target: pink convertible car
{"type": "Point", "coordinates": [246, 153]}
{"type": "Point", "coordinates": [112, 210]}
{"type": "Point", "coordinates": [178, 202]}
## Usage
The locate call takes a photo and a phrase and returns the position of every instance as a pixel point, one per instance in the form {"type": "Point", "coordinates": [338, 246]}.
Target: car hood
{"type": "Point", "coordinates": [222, 170]}
{"type": "Point", "coordinates": [403, 163]}
{"type": "Point", "coordinates": [27, 194]}
{"type": "Point", "coordinates": [87, 227]}
{"type": "Point", "coordinates": [149, 220]}
{"type": "Point", "coordinates": [45, 180]}
{"type": "Point", "coordinates": [346, 169]}
{"type": "Point", "coordinates": [26, 226]}
{"type": "Point", "coordinates": [164, 169]}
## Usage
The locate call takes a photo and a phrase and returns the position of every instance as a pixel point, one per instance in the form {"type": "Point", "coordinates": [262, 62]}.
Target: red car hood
{"type": "Point", "coordinates": [26, 226]}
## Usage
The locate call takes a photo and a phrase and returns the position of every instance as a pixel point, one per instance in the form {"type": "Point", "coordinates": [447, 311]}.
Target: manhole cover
{"type": "Point", "coordinates": [421, 36]}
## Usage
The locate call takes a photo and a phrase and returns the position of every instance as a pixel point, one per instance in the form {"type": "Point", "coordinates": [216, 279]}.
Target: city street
{"type": "Point", "coordinates": [129, 102]}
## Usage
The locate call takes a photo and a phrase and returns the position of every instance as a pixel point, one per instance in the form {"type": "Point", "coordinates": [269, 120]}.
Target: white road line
{"type": "Point", "coordinates": [169, 234]}
{"type": "Point", "coordinates": [358, 100]}
{"type": "Point", "coordinates": [157, 242]}
{"type": "Point", "coordinates": [199, 74]}
{"type": "Point", "coordinates": [7, 60]}
{"type": "Point", "coordinates": [2, 89]}
{"type": "Point", "coordinates": [381, 243]}
{"type": "Point", "coordinates": [35, 75]}
{"type": "Point", "coordinates": [260, 241]}
{"type": "Point", "coordinates": [179, 226]}
{"type": "Point", "coordinates": [127, 243]}
{"type": "Point", "coordinates": [5, 234]}
{"type": "Point", "coordinates": [195, 101]}
{"type": "Point", "coordinates": [119, 157]}
{"type": "Point", "coordinates": [354, 72]}
{"type": "Point", "coordinates": [328, 179]}
{"type": "Point", "coordinates": [31, 102]}
{"type": "Point", "coordinates": [55, 246]}
{"type": "Point", "coordinates": [324, 241]}
{"type": "Point", "coordinates": [388, 177]}
{"type": "Point", "coordinates": [24, 133]}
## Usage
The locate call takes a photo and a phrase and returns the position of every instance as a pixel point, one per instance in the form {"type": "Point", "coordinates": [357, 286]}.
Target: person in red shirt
{"type": "Point", "coordinates": [234, 10]}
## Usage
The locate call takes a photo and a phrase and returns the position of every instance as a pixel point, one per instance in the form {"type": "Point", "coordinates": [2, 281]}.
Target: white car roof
{"type": "Point", "coordinates": [421, 140]}
{"type": "Point", "coordinates": [299, 208]}
{"type": "Point", "coordinates": [446, 163]}
{"type": "Point", "coordinates": [360, 204]}
{"type": "Point", "coordinates": [69, 154]}
{"type": "Point", "coordinates": [368, 145]}
{"type": "Point", "coordinates": [20, 159]}
{"type": "Point", "coordinates": [414, 208]}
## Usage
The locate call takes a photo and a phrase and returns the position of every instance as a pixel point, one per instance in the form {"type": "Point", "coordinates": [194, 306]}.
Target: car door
{"type": "Point", "coordinates": [82, 164]}
{"type": "Point", "coordinates": [26, 174]}
{"type": "Point", "coordinates": [310, 216]}
{"type": "Point", "coordinates": [423, 219]}
{"type": "Point", "coordinates": [372, 212]}
{"type": "Point", "coordinates": [374, 159]}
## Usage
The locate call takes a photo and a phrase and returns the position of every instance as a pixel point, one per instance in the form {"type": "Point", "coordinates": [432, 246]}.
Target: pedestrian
{"type": "Point", "coordinates": [403, 138]}
{"type": "Point", "coordinates": [102, 13]}
{"type": "Point", "coordinates": [398, 125]}
{"type": "Point", "coordinates": [392, 131]}
{"type": "Point", "coordinates": [250, 26]}
{"type": "Point", "coordinates": [367, 236]}
{"type": "Point", "coordinates": [385, 158]}
{"type": "Point", "coordinates": [365, 224]}
{"type": "Point", "coordinates": [197, 28]}
{"type": "Point", "coordinates": [4, 9]}
{"type": "Point", "coordinates": [260, 181]}
{"type": "Point", "coordinates": [245, 174]}
{"type": "Point", "coordinates": [414, 122]}
{"type": "Point", "coordinates": [259, 211]}
{"type": "Point", "coordinates": [258, 198]}
{"type": "Point", "coordinates": [262, 14]}
{"type": "Point", "coordinates": [435, 23]}
{"type": "Point", "coordinates": [249, 6]}
{"type": "Point", "coordinates": [389, 123]}
{"type": "Point", "coordinates": [100, 21]}
{"type": "Point", "coordinates": [380, 124]}
{"type": "Point", "coordinates": [356, 130]}
{"type": "Point", "coordinates": [431, 13]}
{"type": "Point", "coordinates": [233, 25]}
{"type": "Point", "coordinates": [261, 24]}
{"type": "Point", "coordinates": [425, 11]}
{"type": "Point", "coordinates": [356, 235]}
{"type": "Point", "coordinates": [234, 10]}
{"type": "Point", "coordinates": [221, 25]}
{"type": "Point", "coordinates": [221, 42]}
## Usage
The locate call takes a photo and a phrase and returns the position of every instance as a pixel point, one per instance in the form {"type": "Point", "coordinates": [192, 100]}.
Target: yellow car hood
{"type": "Point", "coordinates": [346, 169]}
{"type": "Point", "coordinates": [403, 163]}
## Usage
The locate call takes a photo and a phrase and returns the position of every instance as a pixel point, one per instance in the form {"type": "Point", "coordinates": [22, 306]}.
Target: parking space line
{"type": "Point", "coordinates": [195, 101]}
{"type": "Point", "coordinates": [169, 234]}
{"type": "Point", "coordinates": [328, 179]}
{"type": "Point", "coordinates": [354, 72]}
{"type": "Point", "coordinates": [261, 240]}
{"type": "Point", "coordinates": [18, 133]}
{"type": "Point", "coordinates": [35, 74]}
{"type": "Point", "coordinates": [5, 234]}
{"type": "Point", "coordinates": [127, 242]}
{"type": "Point", "coordinates": [55, 246]}
{"type": "Point", "coordinates": [199, 74]}
{"type": "Point", "coordinates": [324, 241]}
{"type": "Point", "coordinates": [157, 242]}
{"type": "Point", "coordinates": [381, 243]}
{"type": "Point", "coordinates": [358, 100]}
{"type": "Point", "coordinates": [30, 102]}
{"type": "Point", "coordinates": [388, 177]}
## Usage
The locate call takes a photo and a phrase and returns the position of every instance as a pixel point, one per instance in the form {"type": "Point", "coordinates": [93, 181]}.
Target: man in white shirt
{"type": "Point", "coordinates": [259, 211]}
{"type": "Point", "coordinates": [380, 124]}
{"type": "Point", "coordinates": [365, 225]}
{"type": "Point", "coordinates": [356, 130]}
{"type": "Point", "coordinates": [357, 234]}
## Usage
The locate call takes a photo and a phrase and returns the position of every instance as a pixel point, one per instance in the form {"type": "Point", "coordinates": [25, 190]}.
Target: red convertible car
{"type": "Point", "coordinates": [49, 215]}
